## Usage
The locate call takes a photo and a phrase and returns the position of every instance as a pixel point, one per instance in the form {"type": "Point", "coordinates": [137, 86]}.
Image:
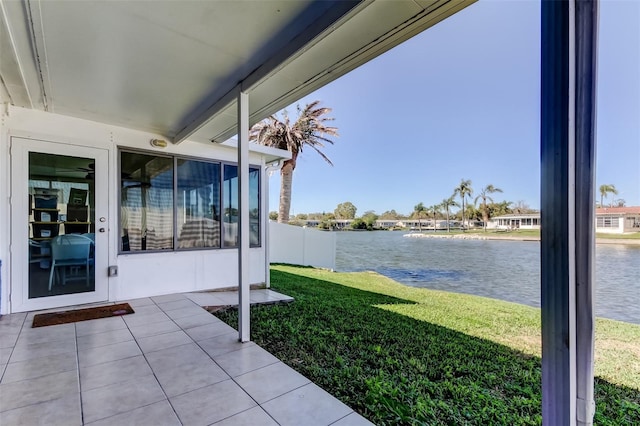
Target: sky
{"type": "Point", "coordinates": [461, 100]}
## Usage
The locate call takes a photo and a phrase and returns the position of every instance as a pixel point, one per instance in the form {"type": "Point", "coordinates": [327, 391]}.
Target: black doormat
{"type": "Point", "coordinates": [63, 317]}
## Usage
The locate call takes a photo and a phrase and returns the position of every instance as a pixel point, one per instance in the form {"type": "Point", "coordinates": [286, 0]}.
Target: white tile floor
{"type": "Point", "coordinates": [170, 363]}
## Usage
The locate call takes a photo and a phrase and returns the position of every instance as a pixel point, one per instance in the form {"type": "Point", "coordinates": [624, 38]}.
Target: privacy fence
{"type": "Point", "coordinates": [301, 246]}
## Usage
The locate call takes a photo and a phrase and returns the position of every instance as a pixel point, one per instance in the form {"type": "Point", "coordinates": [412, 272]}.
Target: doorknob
{"type": "Point", "coordinates": [101, 230]}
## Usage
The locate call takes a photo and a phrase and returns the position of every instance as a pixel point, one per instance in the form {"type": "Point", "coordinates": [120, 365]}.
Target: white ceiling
{"type": "Point", "coordinates": [175, 67]}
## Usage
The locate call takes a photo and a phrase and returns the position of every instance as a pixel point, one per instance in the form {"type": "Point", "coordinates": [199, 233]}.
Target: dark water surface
{"type": "Point", "coordinates": [507, 270]}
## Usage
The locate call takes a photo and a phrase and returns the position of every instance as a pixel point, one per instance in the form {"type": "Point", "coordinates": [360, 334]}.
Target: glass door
{"type": "Point", "coordinates": [64, 237]}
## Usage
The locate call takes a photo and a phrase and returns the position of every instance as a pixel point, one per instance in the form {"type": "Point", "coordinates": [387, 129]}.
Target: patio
{"type": "Point", "coordinates": [170, 363]}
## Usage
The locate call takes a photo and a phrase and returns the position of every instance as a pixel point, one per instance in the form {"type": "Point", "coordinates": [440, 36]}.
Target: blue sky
{"type": "Point", "coordinates": [461, 100]}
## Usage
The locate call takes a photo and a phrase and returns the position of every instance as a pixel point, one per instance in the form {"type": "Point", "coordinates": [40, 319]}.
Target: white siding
{"type": "Point", "coordinates": [139, 275]}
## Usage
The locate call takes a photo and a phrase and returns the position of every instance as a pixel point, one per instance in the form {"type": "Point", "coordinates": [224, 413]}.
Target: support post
{"type": "Point", "coordinates": [567, 212]}
{"type": "Point", "coordinates": [586, 89]}
{"type": "Point", "coordinates": [243, 219]}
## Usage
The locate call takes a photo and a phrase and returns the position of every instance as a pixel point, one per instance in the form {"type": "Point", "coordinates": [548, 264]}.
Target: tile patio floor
{"type": "Point", "coordinates": [170, 363]}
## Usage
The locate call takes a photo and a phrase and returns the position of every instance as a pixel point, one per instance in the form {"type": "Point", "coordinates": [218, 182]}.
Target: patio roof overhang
{"type": "Point", "coordinates": [176, 68]}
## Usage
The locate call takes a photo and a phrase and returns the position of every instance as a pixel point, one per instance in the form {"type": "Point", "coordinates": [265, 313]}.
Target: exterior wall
{"type": "Point", "coordinates": [617, 220]}
{"type": "Point", "coordinates": [514, 222]}
{"type": "Point", "coordinates": [5, 214]}
{"type": "Point", "coordinates": [301, 246]}
{"type": "Point", "coordinates": [632, 223]}
{"type": "Point", "coordinates": [529, 226]}
{"type": "Point", "coordinates": [143, 275]}
{"type": "Point", "coordinates": [139, 275]}
{"type": "Point", "coordinates": [617, 224]}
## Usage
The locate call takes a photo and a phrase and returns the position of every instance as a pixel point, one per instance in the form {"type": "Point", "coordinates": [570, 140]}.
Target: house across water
{"type": "Point", "coordinates": [608, 220]}
{"type": "Point", "coordinates": [515, 221]}
{"type": "Point", "coordinates": [618, 220]}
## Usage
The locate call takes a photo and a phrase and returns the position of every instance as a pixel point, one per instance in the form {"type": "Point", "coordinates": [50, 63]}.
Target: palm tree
{"type": "Point", "coordinates": [435, 210]}
{"type": "Point", "coordinates": [446, 204]}
{"type": "Point", "coordinates": [464, 190]}
{"type": "Point", "coordinates": [309, 129]}
{"type": "Point", "coordinates": [484, 196]}
{"type": "Point", "coordinates": [606, 189]}
{"type": "Point", "coordinates": [418, 212]}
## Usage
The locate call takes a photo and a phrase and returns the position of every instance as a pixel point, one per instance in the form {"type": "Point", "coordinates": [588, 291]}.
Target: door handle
{"type": "Point", "coordinates": [101, 230]}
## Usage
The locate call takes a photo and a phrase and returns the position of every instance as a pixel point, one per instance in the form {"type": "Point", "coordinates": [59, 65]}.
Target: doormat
{"type": "Point", "coordinates": [64, 317]}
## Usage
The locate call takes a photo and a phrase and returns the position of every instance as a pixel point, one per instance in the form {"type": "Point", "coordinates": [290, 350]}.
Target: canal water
{"type": "Point", "coordinates": [507, 270]}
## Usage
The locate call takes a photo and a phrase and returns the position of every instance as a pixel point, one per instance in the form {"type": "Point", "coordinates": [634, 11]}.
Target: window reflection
{"type": "Point", "coordinates": [146, 201]}
{"type": "Point", "coordinates": [230, 206]}
{"type": "Point", "coordinates": [61, 203]}
{"type": "Point", "coordinates": [198, 204]}
{"type": "Point", "coordinates": [254, 206]}
{"type": "Point", "coordinates": [205, 199]}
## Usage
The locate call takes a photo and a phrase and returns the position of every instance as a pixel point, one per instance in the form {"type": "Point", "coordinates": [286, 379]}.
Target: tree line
{"type": "Point", "coordinates": [480, 208]}
{"type": "Point", "coordinates": [311, 129]}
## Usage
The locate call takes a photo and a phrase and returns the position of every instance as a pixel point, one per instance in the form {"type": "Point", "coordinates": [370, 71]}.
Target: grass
{"type": "Point", "coordinates": [403, 355]}
{"type": "Point", "coordinates": [633, 236]}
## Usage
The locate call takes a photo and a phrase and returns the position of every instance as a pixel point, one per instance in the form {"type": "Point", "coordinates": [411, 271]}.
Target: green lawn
{"type": "Point", "coordinates": [634, 236]}
{"type": "Point", "coordinates": [403, 355]}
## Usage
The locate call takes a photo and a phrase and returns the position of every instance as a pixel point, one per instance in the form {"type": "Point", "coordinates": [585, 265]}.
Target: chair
{"type": "Point", "coordinates": [40, 252]}
{"type": "Point", "coordinates": [70, 250]}
{"type": "Point", "coordinates": [34, 251]}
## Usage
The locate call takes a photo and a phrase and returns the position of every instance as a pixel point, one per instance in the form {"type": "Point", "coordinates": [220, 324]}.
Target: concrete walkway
{"type": "Point", "coordinates": [170, 363]}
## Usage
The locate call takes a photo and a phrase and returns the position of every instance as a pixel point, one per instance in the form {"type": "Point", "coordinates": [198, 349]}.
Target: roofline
{"type": "Point", "coordinates": [271, 154]}
{"type": "Point", "coordinates": [219, 100]}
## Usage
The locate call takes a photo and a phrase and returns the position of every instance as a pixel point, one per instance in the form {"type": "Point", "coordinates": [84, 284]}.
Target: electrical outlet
{"type": "Point", "coordinates": [113, 271]}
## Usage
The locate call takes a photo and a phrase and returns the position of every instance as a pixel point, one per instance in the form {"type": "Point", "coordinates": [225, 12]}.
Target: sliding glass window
{"type": "Point", "coordinates": [205, 200]}
{"type": "Point", "coordinates": [254, 207]}
{"type": "Point", "coordinates": [230, 206]}
{"type": "Point", "coordinates": [198, 204]}
{"type": "Point", "coordinates": [146, 202]}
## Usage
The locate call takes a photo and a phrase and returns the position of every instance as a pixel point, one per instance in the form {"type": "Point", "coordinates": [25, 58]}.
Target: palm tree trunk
{"type": "Point", "coordinates": [485, 217]}
{"type": "Point", "coordinates": [448, 225]}
{"type": "Point", "coordinates": [286, 180]}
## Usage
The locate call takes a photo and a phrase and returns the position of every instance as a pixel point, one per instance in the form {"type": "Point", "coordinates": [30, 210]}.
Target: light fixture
{"type": "Point", "coordinates": [158, 143]}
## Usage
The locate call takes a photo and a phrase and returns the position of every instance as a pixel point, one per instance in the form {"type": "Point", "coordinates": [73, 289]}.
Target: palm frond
{"type": "Point", "coordinates": [309, 129]}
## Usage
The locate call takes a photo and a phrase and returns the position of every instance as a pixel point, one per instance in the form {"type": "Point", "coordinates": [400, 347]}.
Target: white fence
{"type": "Point", "coordinates": [301, 246]}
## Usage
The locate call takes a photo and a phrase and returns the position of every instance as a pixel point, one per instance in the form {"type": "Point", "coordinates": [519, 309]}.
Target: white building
{"type": "Point", "coordinates": [617, 220]}
{"type": "Point", "coordinates": [608, 220]}
{"type": "Point", "coordinates": [515, 221]}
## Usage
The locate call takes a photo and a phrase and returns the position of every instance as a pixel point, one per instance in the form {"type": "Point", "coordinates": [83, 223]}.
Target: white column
{"type": "Point", "coordinates": [569, 29]}
{"type": "Point", "coordinates": [243, 218]}
{"type": "Point", "coordinates": [586, 89]}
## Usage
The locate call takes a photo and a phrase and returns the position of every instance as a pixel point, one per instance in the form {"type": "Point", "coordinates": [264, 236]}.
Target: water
{"type": "Point", "coordinates": [507, 270]}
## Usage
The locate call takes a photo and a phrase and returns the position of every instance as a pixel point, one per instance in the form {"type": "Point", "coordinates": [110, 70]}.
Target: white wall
{"type": "Point", "coordinates": [612, 230]}
{"type": "Point", "coordinates": [152, 274]}
{"type": "Point", "coordinates": [139, 275]}
{"type": "Point", "coordinates": [301, 246]}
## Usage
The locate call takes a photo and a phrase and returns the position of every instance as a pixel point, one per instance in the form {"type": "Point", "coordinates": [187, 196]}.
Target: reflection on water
{"type": "Point", "coordinates": [507, 270]}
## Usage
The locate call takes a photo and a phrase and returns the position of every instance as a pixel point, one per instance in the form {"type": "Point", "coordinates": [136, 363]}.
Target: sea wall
{"type": "Point", "coordinates": [621, 241]}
